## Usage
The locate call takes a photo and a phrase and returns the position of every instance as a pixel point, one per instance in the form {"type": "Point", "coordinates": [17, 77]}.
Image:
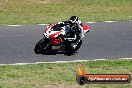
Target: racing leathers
{"type": "Point", "coordinates": [75, 29]}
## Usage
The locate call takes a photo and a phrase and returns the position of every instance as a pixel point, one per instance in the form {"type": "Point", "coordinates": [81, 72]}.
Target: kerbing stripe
{"type": "Point", "coordinates": [62, 61]}
{"type": "Point", "coordinates": [99, 59]}
{"type": "Point", "coordinates": [91, 22]}
{"type": "Point", "coordinates": [126, 58]}
{"type": "Point", "coordinates": [109, 21]}
{"type": "Point", "coordinates": [14, 25]}
{"type": "Point", "coordinates": [81, 60]}
{"type": "Point", "coordinates": [86, 22]}
{"type": "Point", "coordinates": [46, 62]}
{"type": "Point", "coordinates": [42, 24]}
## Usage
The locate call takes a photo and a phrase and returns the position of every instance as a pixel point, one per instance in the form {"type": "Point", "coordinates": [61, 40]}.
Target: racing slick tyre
{"type": "Point", "coordinates": [69, 49]}
{"type": "Point", "coordinates": [43, 46]}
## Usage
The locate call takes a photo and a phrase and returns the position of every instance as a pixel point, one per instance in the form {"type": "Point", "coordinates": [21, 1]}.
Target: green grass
{"type": "Point", "coordinates": [50, 11]}
{"type": "Point", "coordinates": [62, 75]}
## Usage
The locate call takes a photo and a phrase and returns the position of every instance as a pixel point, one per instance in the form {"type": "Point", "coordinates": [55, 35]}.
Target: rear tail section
{"type": "Point", "coordinates": [86, 28]}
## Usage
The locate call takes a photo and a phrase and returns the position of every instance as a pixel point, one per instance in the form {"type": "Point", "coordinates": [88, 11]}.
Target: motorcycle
{"type": "Point", "coordinates": [54, 39]}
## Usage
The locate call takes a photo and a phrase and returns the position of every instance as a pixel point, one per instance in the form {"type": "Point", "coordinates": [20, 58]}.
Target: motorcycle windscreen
{"type": "Point", "coordinates": [57, 27]}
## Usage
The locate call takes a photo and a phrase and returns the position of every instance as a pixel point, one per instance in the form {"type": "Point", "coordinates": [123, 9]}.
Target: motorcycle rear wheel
{"type": "Point", "coordinates": [70, 50]}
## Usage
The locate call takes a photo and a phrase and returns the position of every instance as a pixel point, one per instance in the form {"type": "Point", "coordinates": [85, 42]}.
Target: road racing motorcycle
{"type": "Point", "coordinates": [54, 39]}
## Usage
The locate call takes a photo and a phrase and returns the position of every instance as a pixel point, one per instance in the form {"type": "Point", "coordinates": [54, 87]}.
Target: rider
{"type": "Point", "coordinates": [75, 25]}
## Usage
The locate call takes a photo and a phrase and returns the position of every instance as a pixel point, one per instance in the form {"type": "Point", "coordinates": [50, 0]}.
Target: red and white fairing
{"type": "Point", "coordinates": [53, 35]}
{"type": "Point", "coordinates": [85, 28]}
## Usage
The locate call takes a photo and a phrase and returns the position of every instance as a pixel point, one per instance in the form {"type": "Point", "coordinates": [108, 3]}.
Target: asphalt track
{"type": "Point", "coordinates": [105, 40]}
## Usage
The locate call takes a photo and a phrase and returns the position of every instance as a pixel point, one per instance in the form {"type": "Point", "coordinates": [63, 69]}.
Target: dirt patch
{"type": "Point", "coordinates": [62, 86]}
{"type": "Point", "coordinates": [37, 1]}
{"type": "Point", "coordinates": [50, 1]}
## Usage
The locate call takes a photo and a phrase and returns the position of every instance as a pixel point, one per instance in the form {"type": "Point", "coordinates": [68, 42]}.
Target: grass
{"type": "Point", "coordinates": [61, 75]}
{"type": "Point", "coordinates": [50, 11]}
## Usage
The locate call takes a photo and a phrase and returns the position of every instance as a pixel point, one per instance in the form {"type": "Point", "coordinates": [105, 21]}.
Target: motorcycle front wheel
{"type": "Point", "coordinates": [43, 46]}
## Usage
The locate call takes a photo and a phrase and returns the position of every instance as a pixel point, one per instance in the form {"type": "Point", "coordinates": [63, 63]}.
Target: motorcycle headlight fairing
{"type": "Point", "coordinates": [46, 35]}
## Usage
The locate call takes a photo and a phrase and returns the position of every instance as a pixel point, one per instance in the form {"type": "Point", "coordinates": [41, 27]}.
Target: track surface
{"type": "Point", "coordinates": [105, 40]}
